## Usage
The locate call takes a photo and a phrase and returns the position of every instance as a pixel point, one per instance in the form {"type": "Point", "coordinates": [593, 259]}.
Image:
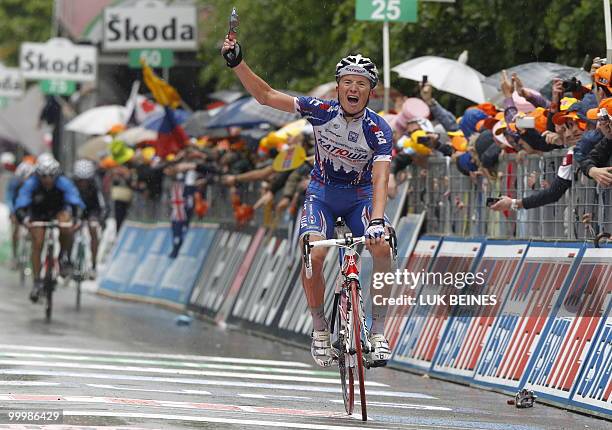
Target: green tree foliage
{"type": "Point", "coordinates": [23, 21]}
{"type": "Point", "coordinates": [295, 44]}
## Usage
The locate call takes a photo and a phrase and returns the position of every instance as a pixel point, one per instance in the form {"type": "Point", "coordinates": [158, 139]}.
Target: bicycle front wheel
{"type": "Point", "coordinates": [355, 305]}
{"type": "Point", "coordinates": [347, 378]}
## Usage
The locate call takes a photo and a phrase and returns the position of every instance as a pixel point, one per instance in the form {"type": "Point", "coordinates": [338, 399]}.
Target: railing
{"type": "Point", "coordinates": [455, 204]}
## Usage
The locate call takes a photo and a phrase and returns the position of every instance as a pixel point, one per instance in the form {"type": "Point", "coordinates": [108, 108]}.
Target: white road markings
{"type": "Point", "coordinates": [213, 382]}
{"type": "Point", "coordinates": [175, 364]}
{"type": "Point", "coordinates": [219, 374]}
{"type": "Point", "coordinates": [214, 359]}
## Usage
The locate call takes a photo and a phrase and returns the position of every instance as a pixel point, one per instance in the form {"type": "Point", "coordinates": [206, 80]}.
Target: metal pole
{"type": "Point", "coordinates": [608, 24]}
{"type": "Point", "coordinates": [166, 74]}
{"type": "Point", "coordinates": [387, 72]}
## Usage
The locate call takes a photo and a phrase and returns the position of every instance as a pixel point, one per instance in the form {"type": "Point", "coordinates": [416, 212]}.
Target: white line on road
{"type": "Point", "coordinates": [261, 423]}
{"type": "Point", "coordinates": [218, 383]}
{"type": "Point", "coordinates": [171, 404]}
{"type": "Point", "coordinates": [219, 374]}
{"type": "Point", "coordinates": [216, 359]}
{"type": "Point", "coordinates": [399, 405]}
{"type": "Point", "coordinates": [29, 384]}
{"type": "Point", "coordinates": [273, 397]}
{"type": "Point", "coordinates": [112, 387]}
{"type": "Point", "coordinates": [80, 358]}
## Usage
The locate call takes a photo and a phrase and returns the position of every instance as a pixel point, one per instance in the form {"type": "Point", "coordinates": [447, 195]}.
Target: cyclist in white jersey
{"type": "Point", "coordinates": [349, 180]}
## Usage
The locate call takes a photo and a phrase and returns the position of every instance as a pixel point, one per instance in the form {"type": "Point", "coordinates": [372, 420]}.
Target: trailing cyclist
{"type": "Point", "coordinates": [45, 196]}
{"type": "Point", "coordinates": [95, 212]}
{"type": "Point", "coordinates": [23, 171]}
{"type": "Point", "coordinates": [349, 179]}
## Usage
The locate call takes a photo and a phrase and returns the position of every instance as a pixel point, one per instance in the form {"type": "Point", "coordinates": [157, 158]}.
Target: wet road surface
{"type": "Point", "coordinates": [118, 365]}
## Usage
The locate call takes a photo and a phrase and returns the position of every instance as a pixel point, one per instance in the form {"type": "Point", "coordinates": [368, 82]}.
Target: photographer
{"type": "Point", "coordinates": [597, 164]}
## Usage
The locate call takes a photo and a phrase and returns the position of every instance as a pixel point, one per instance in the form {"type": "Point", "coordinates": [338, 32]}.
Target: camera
{"type": "Point", "coordinates": [603, 115]}
{"type": "Point", "coordinates": [572, 85]}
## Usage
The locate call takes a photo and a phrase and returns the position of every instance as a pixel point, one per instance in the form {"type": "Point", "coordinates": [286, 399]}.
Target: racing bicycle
{"type": "Point", "coordinates": [80, 271]}
{"type": "Point", "coordinates": [24, 254]}
{"type": "Point", "coordinates": [348, 321]}
{"type": "Point", "coordinates": [50, 266]}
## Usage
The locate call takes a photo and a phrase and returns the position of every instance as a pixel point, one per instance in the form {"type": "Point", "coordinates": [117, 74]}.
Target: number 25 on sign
{"type": "Point", "coordinates": [386, 10]}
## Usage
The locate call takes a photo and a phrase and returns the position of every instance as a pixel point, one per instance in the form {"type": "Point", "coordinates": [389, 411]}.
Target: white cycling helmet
{"type": "Point", "coordinates": [47, 166]}
{"type": "Point", "coordinates": [84, 169]}
{"type": "Point", "coordinates": [7, 158]}
{"type": "Point", "coordinates": [24, 170]}
{"type": "Point", "coordinates": [357, 65]}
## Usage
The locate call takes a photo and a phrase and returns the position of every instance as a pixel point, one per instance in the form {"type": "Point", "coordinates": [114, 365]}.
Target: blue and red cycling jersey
{"type": "Point", "coordinates": [345, 150]}
{"type": "Point", "coordinates": [341, 180]}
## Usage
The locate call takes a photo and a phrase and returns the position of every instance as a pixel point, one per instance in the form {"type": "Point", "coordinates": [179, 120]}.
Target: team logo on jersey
{"type": "Point", "coordinates": [352, 136]}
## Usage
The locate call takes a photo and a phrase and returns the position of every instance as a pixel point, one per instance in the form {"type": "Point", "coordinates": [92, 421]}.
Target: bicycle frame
{"type": "Point", "coordinates": [49, 265]}
{"type": "Point", "coordinates": [353, 344]}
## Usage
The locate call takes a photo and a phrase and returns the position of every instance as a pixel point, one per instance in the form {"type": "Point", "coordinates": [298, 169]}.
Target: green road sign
{"type": "Point", "coordinates": [58, 87]}
{"type": "Point", "coordinates": [154, 57]}
{"type": "Point", "coordinates": [386, 10]}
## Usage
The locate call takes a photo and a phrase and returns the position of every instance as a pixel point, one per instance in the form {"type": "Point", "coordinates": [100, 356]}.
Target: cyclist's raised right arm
{"type": "Point", "coordinates": [257, 87]}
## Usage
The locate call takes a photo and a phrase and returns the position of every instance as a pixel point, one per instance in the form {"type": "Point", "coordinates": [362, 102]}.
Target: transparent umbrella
{"type": "Point", "coordinates": [445, 74]}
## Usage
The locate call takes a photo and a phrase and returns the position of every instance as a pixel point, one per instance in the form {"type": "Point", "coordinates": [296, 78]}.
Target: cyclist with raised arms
{"type": "Point", "coordinates": [349, 180]}
{"type": "Point", "coordinates": [45, 196]}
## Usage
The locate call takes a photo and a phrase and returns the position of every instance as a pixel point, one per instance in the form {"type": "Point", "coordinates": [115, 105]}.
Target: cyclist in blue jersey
{"type": "Point", "coordinates": [45, 196]}
{"type": "Point", "coordinates": [349, 179]}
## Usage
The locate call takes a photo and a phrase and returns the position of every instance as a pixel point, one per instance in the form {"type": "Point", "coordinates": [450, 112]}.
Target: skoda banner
{"type": "Point", "coordinates": [150, 24]}
{"type": "Point", "coordinates": [11, 82]}
{"type": "Point", "coordinates": [58, 58]}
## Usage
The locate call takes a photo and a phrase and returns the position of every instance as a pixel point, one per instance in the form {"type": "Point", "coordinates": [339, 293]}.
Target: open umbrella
{"type": "Point", "coordinates": [538, 76]}
{"type": "Point", "coordinates": [445, 74]}
{"type": "Point", "coordinates": [197, 123]}
{"type": "Point", "coordinates": [247, 112]}
{"type": "Point", "coordinates": [95, 148]}
{"type": "Point", "coordinates": [98, 120]}
{"type": "Point", "coordinates": [226, 96]}
{"type": "Point", "coordinates": [136, 135]}
{"type": "Point", "coordinates": [154, 121]}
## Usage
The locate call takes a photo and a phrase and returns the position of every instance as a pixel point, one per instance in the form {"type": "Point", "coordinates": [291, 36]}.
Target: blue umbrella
{"type": "Point", "coordinates": [154, 122]}
{"type": "Point", "coordinates": [247, 112]}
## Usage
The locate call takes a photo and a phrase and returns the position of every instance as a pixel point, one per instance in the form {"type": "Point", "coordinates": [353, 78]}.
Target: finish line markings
{"type": "Point", "coordinates": [236, 375]}
{"type": "Point", "coordinates": [168, 363]}
{"type": "Point", "coordinates": [216, 359]}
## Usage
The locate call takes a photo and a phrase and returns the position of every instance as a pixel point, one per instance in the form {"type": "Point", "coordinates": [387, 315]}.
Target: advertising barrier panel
{"type": "Point", "coordinates": [428, 318]}
{"type": "Point", "coordinates": [220, 269]}
{"type": "Point", "coordinates": [140, 268]}
{"type": "Point", "coordinates": [530, 306]}
{"type": "Point", "coordinates": [469, 328]}
{"type": "Point", "coordinates": [566, 341]}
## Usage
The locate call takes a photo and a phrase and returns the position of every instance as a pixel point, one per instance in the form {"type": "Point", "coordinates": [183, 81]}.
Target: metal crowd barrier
{"type": "Point", "coordinates": [455, 204]}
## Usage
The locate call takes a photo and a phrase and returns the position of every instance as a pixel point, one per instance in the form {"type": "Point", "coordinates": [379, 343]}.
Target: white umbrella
{"type": "Point", "coordinates": [135, 135]}
{"type": "Point", "coordinates": [95, 148]}
{"type": "Point", "coordinates": [447, 75]}
{"type": "Point", "coordinates": [98, 120]}
{"type": "Point", "coordinates": [327, 89]}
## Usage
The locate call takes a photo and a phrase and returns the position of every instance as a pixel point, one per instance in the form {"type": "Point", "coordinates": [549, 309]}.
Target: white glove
{"type": "Point", "coordinates": [376, 229]}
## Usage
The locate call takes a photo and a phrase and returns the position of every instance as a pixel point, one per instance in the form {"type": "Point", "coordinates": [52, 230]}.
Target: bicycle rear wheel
{"type": "Point", "coordinates": [80, 273]}
{"type": "Point", "coordinates": [355, 305]}
{"type": "Point", "coordinates": [347, 378]}
{"type": "Point", "coordinates": [48, 284]}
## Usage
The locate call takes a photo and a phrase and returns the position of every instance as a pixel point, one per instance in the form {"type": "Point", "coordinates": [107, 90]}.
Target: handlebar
{"type": "Point", "coordinates": [348, 241]}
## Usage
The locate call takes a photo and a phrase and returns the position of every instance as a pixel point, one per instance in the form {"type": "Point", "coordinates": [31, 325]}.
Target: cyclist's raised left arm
{"type": "Point", "coordinates": [257, 87]}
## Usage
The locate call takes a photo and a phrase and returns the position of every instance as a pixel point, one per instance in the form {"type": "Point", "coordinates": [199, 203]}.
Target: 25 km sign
{"type": "Point", "coordinates": [386, 10]}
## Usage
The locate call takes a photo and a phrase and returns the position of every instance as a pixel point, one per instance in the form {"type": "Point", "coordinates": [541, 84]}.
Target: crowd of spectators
{"type": "Point", "coordinates": [577, 118]}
